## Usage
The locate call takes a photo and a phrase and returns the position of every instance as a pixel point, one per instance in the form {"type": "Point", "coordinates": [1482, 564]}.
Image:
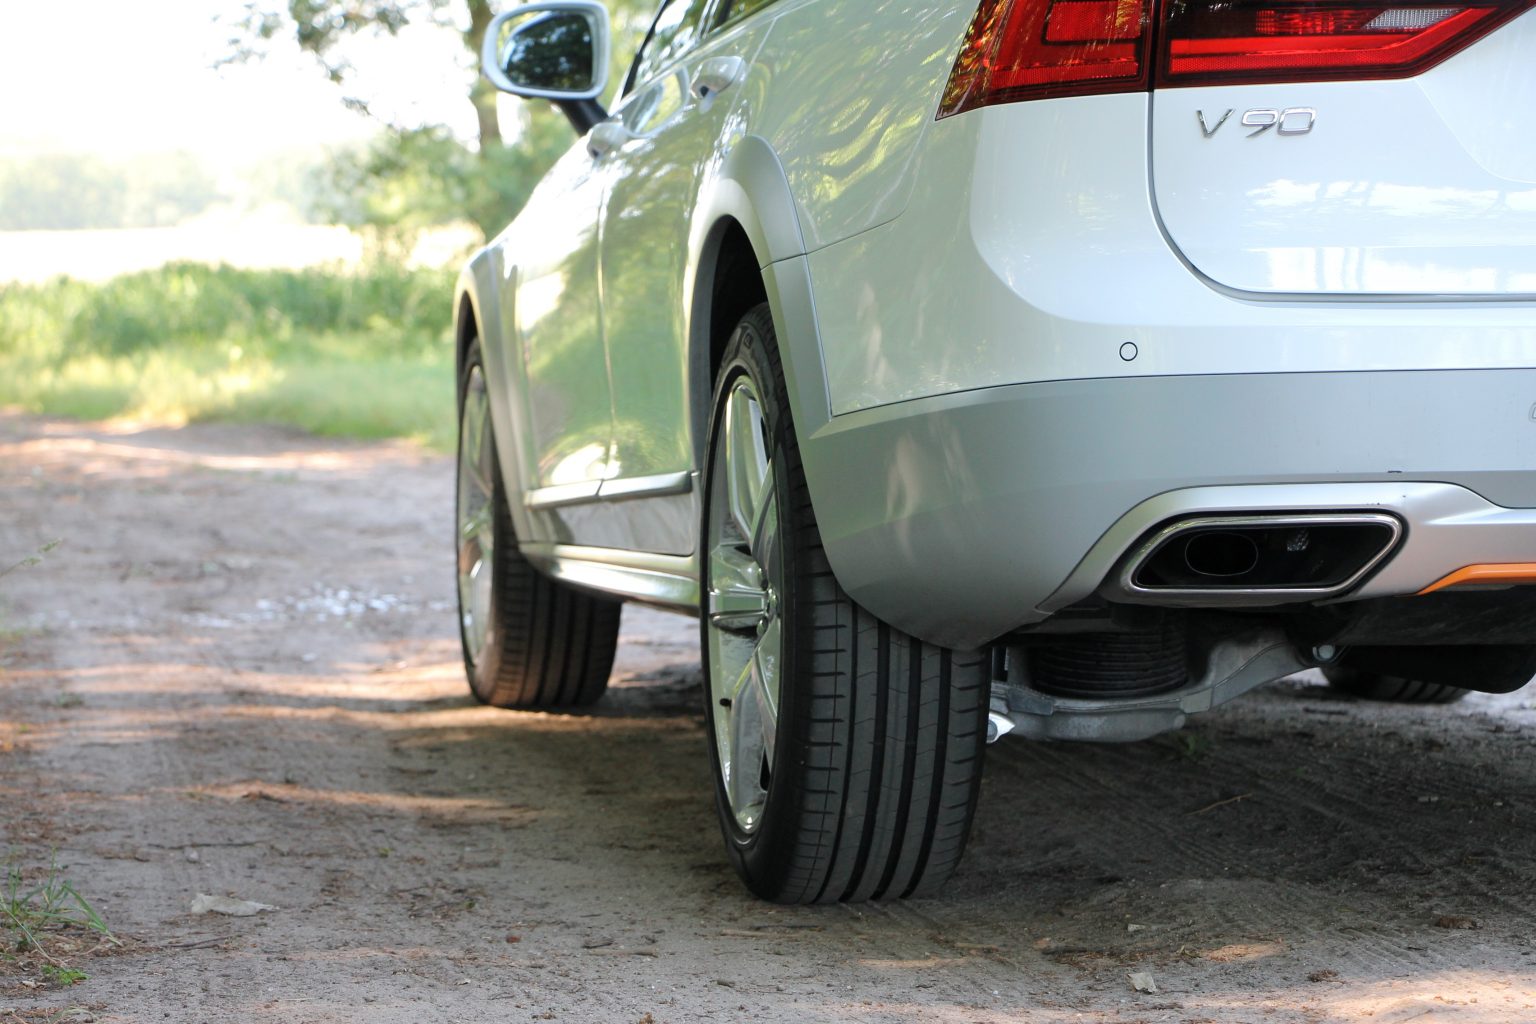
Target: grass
{"type": "Point", "coordinates": [36, 558]}
{"type": "Point", "coordinates": [42, 922]}
{"type": "Point", "coordinates": [339, 352]}
{"type": "Point", "coordinates": [1188, 745]}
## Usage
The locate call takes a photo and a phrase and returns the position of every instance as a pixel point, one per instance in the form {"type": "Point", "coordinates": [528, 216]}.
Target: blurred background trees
{"type": "Point", "coordinates": [408, 177]}
{"type": "Point", "coordinates": [413, 176]}
{"type": "Point", "coordinates": [76, 190]}
{"type": "Point", "coordinates": [254, 305]}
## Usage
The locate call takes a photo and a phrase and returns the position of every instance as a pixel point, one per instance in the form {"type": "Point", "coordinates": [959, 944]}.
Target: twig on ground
{"type": "Point", "coordinates": [1221, 803]}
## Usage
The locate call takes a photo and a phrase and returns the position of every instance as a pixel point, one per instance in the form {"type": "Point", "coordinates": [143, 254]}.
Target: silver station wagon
{"type": "Point", "coordinates": [1055, 368]}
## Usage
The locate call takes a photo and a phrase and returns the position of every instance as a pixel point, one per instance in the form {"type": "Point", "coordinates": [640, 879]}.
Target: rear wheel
{"type": "Point", "coordinates": [528, 641]}
{"type": "Point", "coordinates": [847, 754]}
{"type": "Point", "coordinates": [1377, 686]}
{"type": "Point", "coordinates": [1432, 673]}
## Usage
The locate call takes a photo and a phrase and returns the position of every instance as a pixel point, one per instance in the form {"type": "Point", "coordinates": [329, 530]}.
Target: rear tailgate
{"type": "Point", "coordinates": [1409, 186]}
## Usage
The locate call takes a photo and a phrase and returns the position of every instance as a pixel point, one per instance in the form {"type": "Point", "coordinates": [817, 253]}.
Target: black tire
{"type": "Point", "coordinates": [545, 645]}
{"type": "Point", "coordinates": [880, 737]}
{"type": "Point", "coordinates": [1377, 686]}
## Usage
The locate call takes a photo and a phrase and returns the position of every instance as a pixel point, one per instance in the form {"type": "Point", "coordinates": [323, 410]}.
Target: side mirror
{"type": "Point", "coordinates": [556, 50]}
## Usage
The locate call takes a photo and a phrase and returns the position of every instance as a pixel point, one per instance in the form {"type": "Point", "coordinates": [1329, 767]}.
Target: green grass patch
{"type": "Point", "coordinates": [46, 923]}
{"type": "Point", "coordinates": [336, 352]}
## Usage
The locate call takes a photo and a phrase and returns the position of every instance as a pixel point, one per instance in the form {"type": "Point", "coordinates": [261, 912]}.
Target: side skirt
{"type": "Point", "coordinates": [666, 581]}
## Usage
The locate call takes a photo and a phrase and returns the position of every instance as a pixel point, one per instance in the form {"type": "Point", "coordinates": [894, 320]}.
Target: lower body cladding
{"type": "Point", "coordinates": [1145, 549]}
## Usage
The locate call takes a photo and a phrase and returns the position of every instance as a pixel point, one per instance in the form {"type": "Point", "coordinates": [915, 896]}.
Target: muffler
{"type": "Point", "coordinates": [1259, 559]}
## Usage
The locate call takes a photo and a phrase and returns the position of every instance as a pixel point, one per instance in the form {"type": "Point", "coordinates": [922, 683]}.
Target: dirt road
{"type": "Point", "coordinates": [238, 676]}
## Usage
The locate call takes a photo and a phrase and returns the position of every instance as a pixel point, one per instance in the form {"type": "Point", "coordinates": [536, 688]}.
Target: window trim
{"type": "Point", "coordinates": [708, 23]}
{"type": "Point", "coordinates": [650, 33]}
{"type": "Point", "coordinates": [723, 13]}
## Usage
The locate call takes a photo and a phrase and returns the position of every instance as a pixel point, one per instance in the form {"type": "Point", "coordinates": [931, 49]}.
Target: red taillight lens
{"type": "Point", "coordinates": [1206, 43]}
{"type": "Point", "coordinates": [1093, 21]}
{"type": "Point", "coordinates": [1033, 49]}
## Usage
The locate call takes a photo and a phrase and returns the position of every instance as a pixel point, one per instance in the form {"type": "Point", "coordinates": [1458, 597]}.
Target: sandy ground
{"type": "Point", "coordinates": [238, 676]}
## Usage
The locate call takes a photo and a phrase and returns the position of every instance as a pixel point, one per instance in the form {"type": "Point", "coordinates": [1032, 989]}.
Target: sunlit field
{"type": "Point", "coordinates": [35, 256]}
{"type": "Point", "coordinates": [252, 242]}
{"type": "Point", "coordinates": [296, 325]}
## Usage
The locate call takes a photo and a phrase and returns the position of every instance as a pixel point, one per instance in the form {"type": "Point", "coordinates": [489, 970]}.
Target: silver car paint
{"type": "Point", "coordinates": [992, 498]}
{"type": "Point", "coordinates": [959, 491]}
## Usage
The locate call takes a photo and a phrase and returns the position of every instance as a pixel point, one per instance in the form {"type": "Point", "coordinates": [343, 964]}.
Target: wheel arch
{"type": "Point", "coordinates": [467, 318]}
{"type": "Point", "coordinates": [478, 316]}
{"type": "Point", "coordinates": [746, 236]}
{"type": "Point", "coordinates": [466, 326]}
{"type": "Point", "coordinates": [729, 283]}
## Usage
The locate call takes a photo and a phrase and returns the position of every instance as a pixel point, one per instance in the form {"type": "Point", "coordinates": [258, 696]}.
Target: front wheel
{"type": "Point", "coordinates": [528, 641]}
{"type": "Point", "coordinates": [847, 754]}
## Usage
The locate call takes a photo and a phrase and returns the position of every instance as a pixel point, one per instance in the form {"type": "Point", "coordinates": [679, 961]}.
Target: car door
{"type": "Point", "coordinates": [676, 118]}
{"type": "Point", "coordinates": [557, 328]}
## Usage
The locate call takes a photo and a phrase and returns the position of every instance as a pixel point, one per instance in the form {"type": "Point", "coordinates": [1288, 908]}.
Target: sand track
{"type": "Point", "coordinates": [239, 676]}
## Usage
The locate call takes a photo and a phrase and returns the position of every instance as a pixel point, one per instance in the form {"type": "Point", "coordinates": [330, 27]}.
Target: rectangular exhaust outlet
{"type": "Point", "coordinates": [1260, 559]}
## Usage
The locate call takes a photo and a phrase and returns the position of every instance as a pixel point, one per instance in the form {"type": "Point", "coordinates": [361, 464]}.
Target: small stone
{"type": "Point", "coordinates": [1456, 922]}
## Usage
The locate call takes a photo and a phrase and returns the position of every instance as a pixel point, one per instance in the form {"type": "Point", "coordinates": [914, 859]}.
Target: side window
{"type": "Point", "coordinates": [657, 103]}
{"type": "Point", "coordinates": [675, 32]}
{"type": "Point", "coordinates": [735, 10]}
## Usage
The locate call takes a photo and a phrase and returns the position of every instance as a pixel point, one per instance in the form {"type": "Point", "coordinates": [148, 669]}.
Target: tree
{"type": "Point", "coordinates": [416, 175]}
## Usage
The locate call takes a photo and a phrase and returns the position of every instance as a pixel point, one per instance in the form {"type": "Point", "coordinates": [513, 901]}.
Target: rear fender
{"type": "Point", "coordinates": [752, 190]}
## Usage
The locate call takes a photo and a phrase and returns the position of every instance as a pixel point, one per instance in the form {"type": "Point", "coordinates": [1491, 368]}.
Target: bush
{"type": "Point", "coordinates": [355, 353]}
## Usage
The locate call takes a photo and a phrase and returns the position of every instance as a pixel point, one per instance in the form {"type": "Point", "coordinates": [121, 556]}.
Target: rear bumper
{"type": "Point", "coordinates": [961, 517]}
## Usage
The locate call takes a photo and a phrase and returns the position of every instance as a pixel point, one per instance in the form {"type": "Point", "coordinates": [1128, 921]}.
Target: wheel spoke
{"type": "Point", "coordinates": [475, 603]}
{"type": "Point", "coordinates": [745, 637]}
{"type": "Point", "coordinates": [736, 596]}
{"type": "Point", "coordinates": [763, 539]}
{"type": "Point", "coordinates": [474, 458]}
{"type": "Point", "coordinates": [765, 685]}
{"type": "Point", "coordinates": [746, 460]}
{"type": "Point", "coordinates": [745, 741]}
{"type": "Point", "coordinates": [476, 525]}
{"type": "Point", "coordinates": [754, 720]}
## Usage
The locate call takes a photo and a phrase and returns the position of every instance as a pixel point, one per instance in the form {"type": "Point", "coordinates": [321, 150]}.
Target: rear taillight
{"type": "Point", "coordinates": [1034, 49]}
{"type": "Point", "coordinates": [1208, 43]}
{"type": "Point", "coordinates": [1037, 48]}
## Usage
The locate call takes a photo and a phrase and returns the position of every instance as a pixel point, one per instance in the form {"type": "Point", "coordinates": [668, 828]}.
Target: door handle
{"type": "Point", "coordinates": [716, 75]}
{"type": "Point", "coordinates": [609, 135]}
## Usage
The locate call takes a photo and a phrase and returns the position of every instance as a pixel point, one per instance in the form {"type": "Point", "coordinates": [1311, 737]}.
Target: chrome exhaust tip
{"type": "Point", "coordinates": [1258, 559]}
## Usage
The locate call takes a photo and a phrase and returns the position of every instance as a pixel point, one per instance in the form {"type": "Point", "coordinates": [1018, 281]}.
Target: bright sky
{"type": "Point", "coordinates": [115, 77]}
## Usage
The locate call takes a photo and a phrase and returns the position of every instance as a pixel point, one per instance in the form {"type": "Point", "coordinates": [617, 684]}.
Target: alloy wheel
{"type": "Point", "coordinates": [476, 527]}
{"type": "Point", "coordinates": [744, 577]}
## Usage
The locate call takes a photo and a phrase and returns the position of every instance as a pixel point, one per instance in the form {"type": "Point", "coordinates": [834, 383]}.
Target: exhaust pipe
{"type": "Point", "coordinates": [1260, 559]}
{"type": "Point", "coordinates": [1219, 554]}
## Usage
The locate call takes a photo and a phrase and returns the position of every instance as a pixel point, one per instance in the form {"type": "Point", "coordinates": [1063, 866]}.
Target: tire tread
{"type": "Point", "coordinates": [891, 730]}
{"type": "Point", "coordinates": [552, 646]}
{"type": "Point", "coordinates": [1393, 689]}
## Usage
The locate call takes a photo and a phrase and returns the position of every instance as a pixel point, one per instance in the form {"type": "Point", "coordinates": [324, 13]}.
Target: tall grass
{"type": "Point", "coordinates": [360, 353]}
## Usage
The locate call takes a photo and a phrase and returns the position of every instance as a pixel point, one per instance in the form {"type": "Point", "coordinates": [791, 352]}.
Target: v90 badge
{"type": "Point", "coordinates": [1290, 121]}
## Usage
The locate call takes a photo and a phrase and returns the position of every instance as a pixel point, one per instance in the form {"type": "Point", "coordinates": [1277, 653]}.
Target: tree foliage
{"type": "Point", "coordinates": [414, 176]}
{"type": "Point", "coordinates": [407, 180]}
